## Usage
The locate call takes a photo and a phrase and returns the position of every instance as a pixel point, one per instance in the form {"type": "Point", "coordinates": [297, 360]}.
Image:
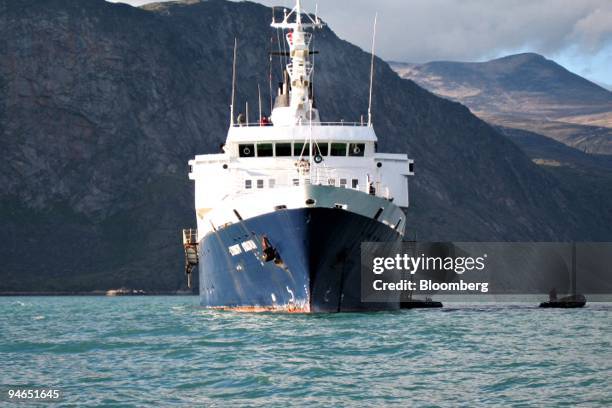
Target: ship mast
{"type": "Point", "coordinates": [294, 101]}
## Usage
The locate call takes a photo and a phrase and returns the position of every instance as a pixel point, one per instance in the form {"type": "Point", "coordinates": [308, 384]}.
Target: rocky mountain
{"type": "Point", "coordinates": [525, 91]}
{"type": "Point", "coordinates": [102, 105]}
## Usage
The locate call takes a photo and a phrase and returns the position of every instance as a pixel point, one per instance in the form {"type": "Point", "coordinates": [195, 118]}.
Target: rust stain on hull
{"type": "Point", "coordinates": [262, 309]}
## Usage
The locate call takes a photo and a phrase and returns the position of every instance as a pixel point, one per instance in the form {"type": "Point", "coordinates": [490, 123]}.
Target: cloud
{"type": "Point", "coordinates": [594, 31]}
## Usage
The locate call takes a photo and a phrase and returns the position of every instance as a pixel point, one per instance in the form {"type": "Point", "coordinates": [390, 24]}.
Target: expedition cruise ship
{"type": "Point", "coordinates": [282, 212]}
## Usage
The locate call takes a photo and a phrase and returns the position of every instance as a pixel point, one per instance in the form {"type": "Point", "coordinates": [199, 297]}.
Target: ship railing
{"type": "Point", "coordinates": [305, 123]}
{"type": "Point", "coordinates": [190, 236]}
{"type": "Point", "coordinates": [307, 67]}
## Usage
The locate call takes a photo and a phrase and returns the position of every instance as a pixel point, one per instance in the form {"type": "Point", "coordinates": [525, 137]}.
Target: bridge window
{"type": "Point", "coordinates": [271, 183]}
{"type": "Point", "coordinates": [246, 150]}
{"type": "Point", "coordinates": [356, 149]}
{"type": "Point", "coordinates": [264, 150]}
{"type": "Point", "coordinates": [321, 149]}
{"type": "Point", "coordinates": [338, 149]}
{"type": "Point", "coordinates": [343, 183]}
{"type": "Point", "coordinates": [296, 182]}
{"type": "Point", "coordinates": [331, 182]}
{"type": "Point", "coordinates": [355, 183]}
{"type": "Point", "coordinates": [283, 149]}
{"type": "Point", "coordinates": [301, 149]}
{"type": "Point", "coordinates": [248, 184]}
{"type": "Point", "coordinates": [260, 183]}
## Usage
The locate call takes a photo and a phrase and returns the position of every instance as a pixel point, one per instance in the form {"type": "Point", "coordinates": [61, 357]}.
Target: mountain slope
{"type": "Point", "coordinates": [102, 105]}
{"type": "Point", "coordinates": [525, 91]}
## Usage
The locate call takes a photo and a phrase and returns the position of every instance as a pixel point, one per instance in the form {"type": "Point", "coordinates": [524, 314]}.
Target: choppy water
{"type": "Point", "coordinates": [165, 350]}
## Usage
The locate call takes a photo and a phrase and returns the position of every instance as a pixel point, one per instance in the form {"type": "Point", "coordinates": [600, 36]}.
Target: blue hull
{"type": "Point", "coordinates": [317, 269]}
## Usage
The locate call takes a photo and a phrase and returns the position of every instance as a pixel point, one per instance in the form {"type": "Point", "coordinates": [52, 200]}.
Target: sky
{"type": "Point", "coordinates": [575, 33]}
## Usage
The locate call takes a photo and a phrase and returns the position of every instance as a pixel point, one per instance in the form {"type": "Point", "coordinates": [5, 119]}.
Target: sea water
{"type": "Point", "coordinates": [165, 351]}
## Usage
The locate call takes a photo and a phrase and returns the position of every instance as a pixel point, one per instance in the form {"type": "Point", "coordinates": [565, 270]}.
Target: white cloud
{"type": "Point", "coordinates": [594, 30]}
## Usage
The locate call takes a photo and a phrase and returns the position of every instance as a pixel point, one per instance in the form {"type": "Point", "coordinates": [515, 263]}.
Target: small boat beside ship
{"type": "Point", "coordinates": [575, 300]}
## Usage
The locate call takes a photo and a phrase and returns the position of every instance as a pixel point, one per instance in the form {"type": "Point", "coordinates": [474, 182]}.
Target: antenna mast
{"type": "Point", "coordinates": [259, 97]}
{"type": "Point", "coordinates": [233, 83]}
{"type": "Point", "coordinates": [372, 73]}
{"type": "Point", "coordinates": [297, 74]}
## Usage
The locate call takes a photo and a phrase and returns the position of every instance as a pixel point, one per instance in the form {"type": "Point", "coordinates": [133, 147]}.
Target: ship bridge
{"type": "Point", "coordinates": [337, 139]}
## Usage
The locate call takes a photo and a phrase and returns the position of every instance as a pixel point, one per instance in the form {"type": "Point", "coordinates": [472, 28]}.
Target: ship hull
{"type": "Point", "coordinates": [317, 267]}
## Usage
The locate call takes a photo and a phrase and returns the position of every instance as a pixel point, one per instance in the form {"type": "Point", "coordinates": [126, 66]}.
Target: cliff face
{"type": "Point", "coordinates": [102, 105]}
{"type": "Point", "coordinates": [525, 91]}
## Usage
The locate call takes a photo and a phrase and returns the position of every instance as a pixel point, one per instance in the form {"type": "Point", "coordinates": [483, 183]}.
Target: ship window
{"type": "Point", "coordinates": [264, 150]}
{"type": "Point", "coordinates": [411, 167]}
{"type": "Point", "coordinates": [321, 149]}
{"type": "Point", "coordinates": [355, 183]}
{"type": "Point", "coordinates": [283, 149]}
{"type": "Point", "coordinates": [296, 182]}
{"type": "Point", "coordinates": [356, 149]}
{"type": "Point", "coordinates": [271, 183]}
{"type": "Point", "coordinates": [260, 183]}
{"type": "Point", "coordinates": [301, 149]}
{"type": "Point", "coordinates": [331, 182]}
{"type": "Point", "coordinates": [338, 149]}
{"type": "Point", "coordinates": [246, 150]}
{"type": "Point", "coordinates": [342, 182]}
{"type": "Point", "coordinates": [235, 250]}
{"type": "Point", "coordinates": [248, 184]}
{"type": "Point", "coordinates": [248, 245]}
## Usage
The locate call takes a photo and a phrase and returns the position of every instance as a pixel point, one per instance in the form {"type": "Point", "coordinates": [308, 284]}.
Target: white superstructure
{"type": "Point", "coordinates": [296, 160]}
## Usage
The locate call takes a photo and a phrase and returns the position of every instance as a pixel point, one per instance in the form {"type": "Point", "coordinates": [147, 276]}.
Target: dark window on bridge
{"type": "Point", "coordinates": [301, 149]}
{"type": "Point", "coordinates": [264, 150]}
{"type": "Point", "coordinates": [338, 149]}
{"type": "Point", "coordinates": [356, 149]}
{"type": "Point", "coordinates": [283, 149]}
{"type": "Point", "coordinates": [321, 149]}
{"type": "Point", "coordinates": [355, 183]}
{"type": "Point", "coordinates": [246, 150]}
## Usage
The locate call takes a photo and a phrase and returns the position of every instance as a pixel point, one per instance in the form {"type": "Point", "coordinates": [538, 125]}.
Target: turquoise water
{"type": "Point", "coordinates": [167, 351]}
